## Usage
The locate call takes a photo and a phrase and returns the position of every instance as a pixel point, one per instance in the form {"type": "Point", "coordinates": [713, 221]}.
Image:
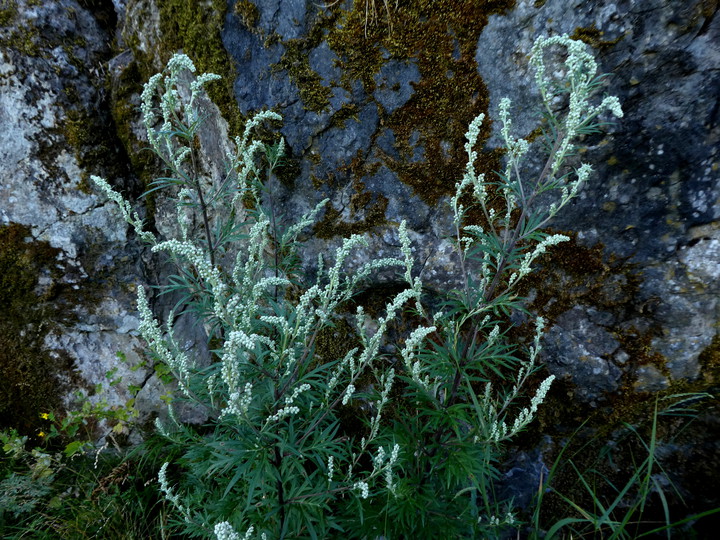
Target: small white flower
{"type": "Point", "coordinates": [348, 394]}
{"type": "Point", "coordinates": [363, 488]}
{"type": "Point", "coordinates": [224, 531]}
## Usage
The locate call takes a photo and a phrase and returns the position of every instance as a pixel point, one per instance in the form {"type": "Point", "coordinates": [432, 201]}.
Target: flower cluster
{"type": "Point", "coordinates": [540, 248]}
{"type": "Point", "coordinates": [170, 495]}
{"type": "Point", "coordinates": [363, 488]}
{"type": "Point", "coordinates": [129, 215]}
{"type": "Point", "coordinates": [415, 339]}
{"type": "Point", "coordinates": [225, 531]}
{"type": "Point", "coordinates": [171, 107]}
{"type": "Point", "coordinates": [289, 409]}
{"type": "Point", "coordinates": [581, 80]}
{"type": "Point", "coordinates": [238, 402]}
{"type": "Point", "coordinates": [150, 331]}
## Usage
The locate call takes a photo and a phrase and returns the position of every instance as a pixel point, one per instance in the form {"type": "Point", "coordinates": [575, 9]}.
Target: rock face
{"type": "Point", "coordinates": [375, 110]}
{"type": "Point", "coordinates": [654, 200]}
{"type": "Point", "coordinates": [68, 327]}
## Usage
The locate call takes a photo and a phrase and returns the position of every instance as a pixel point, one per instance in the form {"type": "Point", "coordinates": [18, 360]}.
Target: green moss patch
{"type": "Point", "coordinates": [24, 40]}
{"type": "Point", "coordinates": [366, 209]}
{"type": "Point", "coordinates": [594, 37]}
{"type": "Point", "coordinates": [332, 223]}
{"type": "Point", "coordinates": [572, 273]}
{"type": "Point", "coordinates": [96, 149]}
{"type": "Point", "coordinates": [124, 112]}
{"type": "Point", "coordinates": [8, 12]}
{"type": "Point", "coordinates": [33, 379]}
{"type": "Point", "coordinates": [194, 28]}
{"type": "Point", "coordinates": [247, 12]}
{"type": "Point", "coordinates": [295, 60]}
{"type": "Point", "coordinates": [442, 39]}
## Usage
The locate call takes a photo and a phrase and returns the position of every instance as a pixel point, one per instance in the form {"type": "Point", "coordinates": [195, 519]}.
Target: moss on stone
{"type": "Point", "coordinates": [124, 112]}
{"type": "Point", "coordinates": [295, 60]}
{"type": "Point", "coordinates": [571, 273]}
{"type": "Point", "coordinates": [23, 36]}
{"type": "Point", "coordinates": [442, 40]}
{"type": "Point", "coordinates": [331, 345]}
{"type": "Point", "coordinates": [623, 427]}
{"type": "Point", "coordinates": [366, 209]}
{"type": "Point", "coordinates": [360, 56]}
{"type": "Point", "coordinates": [8, 12]}
{"type": "Point", "coordinates": [710, 362]}
{"type": "Point", "coordinates": [76, 128]}
{"type": "Point", "coordinates": [333, 225]}
{"type": "Point", "coordinates": [247, 12]}
{"type": "Point", "coordinates": [34, 380]}
{"type": "Point", "coordinates": [97, 150]}
{"type": "Point", "coordinates": [346, 112]}
{"type": "Point", "coordinates": [24, 40]}
{"type": "Point", "coordinates": [593, 37]}
{"type": "Point", "coordinates": [638, 345]}
{"type": "Point", "coordinates": [334, 342]}
{"type": "Point", "coordinates": [80, 133]}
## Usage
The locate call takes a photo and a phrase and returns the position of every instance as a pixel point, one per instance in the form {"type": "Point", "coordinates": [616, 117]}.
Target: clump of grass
{"type": "Point", "coordinates": [612, 509]}
{"type": "Point", "coordinates": [372, 13]}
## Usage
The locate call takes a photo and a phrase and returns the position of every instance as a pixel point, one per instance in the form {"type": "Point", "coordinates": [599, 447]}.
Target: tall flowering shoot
{"type": "Point", "coordinates": [467, 380]}
{"type": "Point", "coordinates": [275, 459]}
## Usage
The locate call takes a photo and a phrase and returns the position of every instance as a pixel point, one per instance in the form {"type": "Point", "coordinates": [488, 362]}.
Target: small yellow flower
{"type": "Point", "coordinates": [41, 434]}
{"type": "Point", "coordinates": [44, 416]}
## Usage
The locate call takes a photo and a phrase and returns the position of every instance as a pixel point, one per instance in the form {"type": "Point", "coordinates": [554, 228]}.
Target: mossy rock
{"type": "Point", "coordinates": [34, 379]}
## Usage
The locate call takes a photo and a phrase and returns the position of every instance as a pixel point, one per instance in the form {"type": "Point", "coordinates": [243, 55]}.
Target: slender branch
{"type": "Point", "coordinates": [332, 406]}
{"type": "Point", "coordinates": [509, 243]}
{"type": "Point", "coordinates": [516, 234]}
{"type": "Point", "coordinates": [203, 208]}
{"type": "Point", "coordinates": [293, 377]}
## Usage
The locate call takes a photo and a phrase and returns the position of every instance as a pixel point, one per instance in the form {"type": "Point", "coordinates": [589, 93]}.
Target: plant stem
{"type": "Point", "coordinates": [203, 209]}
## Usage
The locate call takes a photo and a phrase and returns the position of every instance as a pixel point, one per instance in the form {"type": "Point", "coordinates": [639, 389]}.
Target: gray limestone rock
{"type": "Point", "coordinates": [50, 102]}
{"type": "Point", "coordinates": [582, 351]}
{"type": "Point", "coordinates": [394, 84]}
{"type": "Point", "coordinates": [656, 175]}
